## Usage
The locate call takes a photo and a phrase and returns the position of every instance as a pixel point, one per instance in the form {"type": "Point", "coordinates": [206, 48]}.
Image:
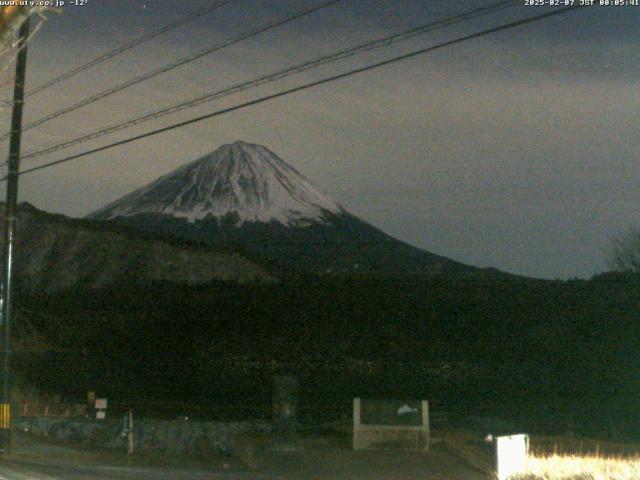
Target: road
{"type": "Point", "coordinates": [30, 471]}
{"type": "Point", "coordinates": [36, 460]}
{"type": "Point", "coordinates": [27, 471]}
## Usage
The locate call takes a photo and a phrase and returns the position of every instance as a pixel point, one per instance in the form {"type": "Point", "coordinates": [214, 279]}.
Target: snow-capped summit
{"type": "Point", "coordinates": [246, 180]}
{"type": "Point", "coordinates": [243, 195]}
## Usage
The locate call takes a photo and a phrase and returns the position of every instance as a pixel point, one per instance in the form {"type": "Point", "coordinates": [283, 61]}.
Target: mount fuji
{"type": "Point", "coordinates": [244, 195]}
{"type": "Point", "coordinates": [246, 181]}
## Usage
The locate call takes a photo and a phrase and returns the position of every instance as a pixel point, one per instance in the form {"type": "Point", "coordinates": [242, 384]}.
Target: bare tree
{"type": "Point", "coordinates": [625, 252]}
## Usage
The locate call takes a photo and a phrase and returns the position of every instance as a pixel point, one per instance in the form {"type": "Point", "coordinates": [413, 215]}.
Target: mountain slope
{"type": "Point", "coordinates": [246, 179]}
{"type": "Point", "coordinates": [244, 194]}
{"type": "Point", "coordinates": [56, 253]}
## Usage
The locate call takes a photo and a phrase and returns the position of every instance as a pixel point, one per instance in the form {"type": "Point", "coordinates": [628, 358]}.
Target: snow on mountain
{"type": "Point", "coordinates": [244, 179]}
{"type": "Point", "coordinates": [244, 195]}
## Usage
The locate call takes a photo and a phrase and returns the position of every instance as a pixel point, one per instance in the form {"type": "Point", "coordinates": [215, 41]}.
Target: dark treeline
{"type": "Point", "coordinates": [565, 347]}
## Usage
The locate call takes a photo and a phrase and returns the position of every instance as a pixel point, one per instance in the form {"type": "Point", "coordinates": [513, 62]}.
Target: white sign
{"type": "Point", "coordinates": [101, 404]}
{"type": "Point", "coordinates": [511, 455]}
{"type": "Point", "coordinates": [101, 415]}
{"type": "Point", "coordinates": [405, 409]}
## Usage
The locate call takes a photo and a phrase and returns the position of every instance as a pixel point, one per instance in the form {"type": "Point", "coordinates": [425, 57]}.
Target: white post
{"type": "Point", "coordinates": [511, 455]}
{"type": "Point", "coordinates": [356, 422]}
{"type": "Point", "coordinates": [130, 434]}
{"type": "Point", "coordinates": [425, 424]}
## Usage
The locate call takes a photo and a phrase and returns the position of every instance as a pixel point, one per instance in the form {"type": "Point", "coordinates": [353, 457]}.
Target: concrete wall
{"type": "Point", "coordinates": [174, 437]}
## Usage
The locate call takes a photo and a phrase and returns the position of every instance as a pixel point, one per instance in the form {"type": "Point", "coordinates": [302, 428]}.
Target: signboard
{"type": "Point", "coordinates": [101, 415]}
{"type": "Point", "coordinates": [511, 455]}
{"type": "Point", "coordinates": [101, 403]}
{"type": "Point", "coordinates": [390, 412]}
{"type": "Point", "coordinates": [390, 424]}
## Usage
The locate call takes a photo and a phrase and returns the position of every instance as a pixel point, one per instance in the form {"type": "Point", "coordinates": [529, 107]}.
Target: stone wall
{"type": "Point", "coordinates": [174, 437]}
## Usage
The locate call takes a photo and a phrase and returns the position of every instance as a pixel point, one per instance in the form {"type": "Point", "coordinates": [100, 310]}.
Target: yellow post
{"type": "Point", "coordinates": [5, 416]}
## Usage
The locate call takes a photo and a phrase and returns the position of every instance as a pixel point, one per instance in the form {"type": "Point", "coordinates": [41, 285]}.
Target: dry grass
{"type": "Point", "coordinates": [581, 467]}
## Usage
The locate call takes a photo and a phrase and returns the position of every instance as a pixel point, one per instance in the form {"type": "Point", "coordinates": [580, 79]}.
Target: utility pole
{"type": "Point", "coordinates": [9, 238]}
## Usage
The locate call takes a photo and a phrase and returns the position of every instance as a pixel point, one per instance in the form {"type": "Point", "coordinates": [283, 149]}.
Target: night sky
{"type": "Point", "coordinates": [518, 150]}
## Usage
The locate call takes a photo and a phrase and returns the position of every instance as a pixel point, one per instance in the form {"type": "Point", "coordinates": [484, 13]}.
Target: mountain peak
{"type": "Point", "coordinates": [241, 144]}
{"type": "Point", "coordinates": [242, 179]}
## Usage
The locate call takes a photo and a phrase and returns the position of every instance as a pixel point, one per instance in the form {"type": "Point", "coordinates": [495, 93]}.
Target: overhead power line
{"type": "Point", "coordinates": [178, 63]}
{"type": "Point", "coordinates": [126, 47]}
{"type": "Point", "coordinates": [305, 87]}
{"type": "Point", "coordinates": [326, 59]}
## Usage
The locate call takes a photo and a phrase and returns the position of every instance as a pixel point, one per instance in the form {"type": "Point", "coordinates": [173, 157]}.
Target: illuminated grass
{"type": "Point", "coordinates": [584, 467]}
